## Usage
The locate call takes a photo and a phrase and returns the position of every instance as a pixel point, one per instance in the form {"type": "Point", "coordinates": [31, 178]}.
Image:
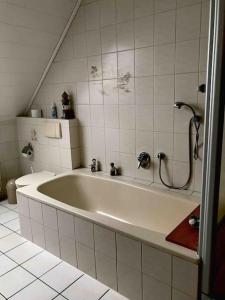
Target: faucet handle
{"type": "Point", "coordinates": [144, 160]}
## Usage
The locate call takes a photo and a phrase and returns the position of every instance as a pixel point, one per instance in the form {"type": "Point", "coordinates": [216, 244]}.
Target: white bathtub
{"type": "Point", "coordinates": [140, 214]}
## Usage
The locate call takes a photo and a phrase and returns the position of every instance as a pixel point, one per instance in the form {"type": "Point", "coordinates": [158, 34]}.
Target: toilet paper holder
{"type": "Point", "coordinates": [27, 151]}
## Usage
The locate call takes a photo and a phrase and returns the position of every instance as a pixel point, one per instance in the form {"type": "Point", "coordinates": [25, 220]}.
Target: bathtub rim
{"type": "Point", "coordinates": [144, 235]}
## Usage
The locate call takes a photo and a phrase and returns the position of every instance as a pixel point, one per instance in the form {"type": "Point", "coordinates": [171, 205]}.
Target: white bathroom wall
{"type": "Point", "coordinates": [50, 154]}
{"type": "Point", "coordinates": [29, 31]}
{"type": "Point", "coordinates": [9, 158]}
{"type": "Point", "coordinates": [126, 62]}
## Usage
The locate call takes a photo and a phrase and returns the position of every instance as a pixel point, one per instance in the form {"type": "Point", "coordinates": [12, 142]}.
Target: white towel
{"type": "Point", "coordinates": [53, 130]}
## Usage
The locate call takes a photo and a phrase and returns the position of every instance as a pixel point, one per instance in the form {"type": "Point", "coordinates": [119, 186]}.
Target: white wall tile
{"type": "Point", "coordinates": [109, 65]}
{"type": "Point", "coordinates": [164, 5]}
{"type": "Point", "coordinates": [68, 250]}
{"type": "Point", "coordinates": [129, 282]}
{"type": "Point", "coordinates": [36, 211]}
{"type": "Point", "coordinates": [107, 12]}
{"type": "Point", "coordinates": [154, 289]}
{"type": "Point", "coordinates": [126, 63]}
{"type": "Point", "coordinates": [80, 45]}
{"type": "Point", "coordinates": [164, 58]}
{"type": "Point", "coordinates": [143, 8]}
{"type": "Point", "coordinates": [124, 10]}
{"type": "Point", "coordinates": [66, 224]}
{"type": "Point", "coordinates": [185, 277]}
{"type": "Point", "coordinates": [97, 116]}
{"type": "Point", "coordinates": [163, 142]}
{"type": "Point", "coordinates": [93, 42]}
{"type": "Point", "coordinates": [25, 227]}
{"type": "Point", "coordinates": [186, 30]}
{"type": "Point", "coordinates": [186, 86]}
{"type": "Point", "coordinates": [164, 28]}
{"type": "Point", "coordinates": [52, 241]}
{"type": "Point", "coordinates": [144, 117]}
{"type": "Point", "coordinates": [144, 61]}
{"type": "Point", "coordinates": [127, 141]}
{"type": "Point", "coordinates": [128, 251]}
{"type": "Point", "coordinates": [96, 93]}
{"type": "Point", "coordinates": [110, 91]}
{"type": "Point", "coordinates": [125, 36]}
{"type": "Point", "coordinates": [144, 32]}
{"type": "Point", "coordinates": [157, 264]}
{"type": "Point", "coordinates": [92, 16]}
{"type": "Point", "coordinates": [82, 93]}
{"type": "Point", "coordinates": [111, 113]}
{"type": "Point", "coordinates": [127, 116]}
{"type": "Point", "coordinates": [38, 233]}
{"type": "Point", "coordinates": [85, 259]}
{"type": "Point", "coordinates": [50, 217]}
{"type": "Point", "coordinates": [187, 54]}
{"type": "Point", "coordinates": [108, 39]}
{"type": "Point", "coordinates": [144, 89]}
{"type": "Point", "coordinates": [23, 205]}
{"type": "Point", "coordinates": [182, 3]}
{"type": "Point", "coordinates": [105, 241]}
{"type": "Point", "coordinates": [84, 232]}
{"type": "Point", "coordinates": [164, 89]}
{"type": "Point", "coordinates": [177, 295]}
{"type": "Point", "coordinates": [106, 270]}
{"type": "Point", "coordinates": [163, 118]}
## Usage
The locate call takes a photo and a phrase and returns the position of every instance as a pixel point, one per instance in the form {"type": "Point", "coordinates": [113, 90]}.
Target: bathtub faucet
{"type": "Point", "coordinates": [144, 160]}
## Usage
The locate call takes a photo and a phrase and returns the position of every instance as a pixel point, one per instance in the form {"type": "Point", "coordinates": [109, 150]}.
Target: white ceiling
{"type": "Point", "coordinates": [29, 32]}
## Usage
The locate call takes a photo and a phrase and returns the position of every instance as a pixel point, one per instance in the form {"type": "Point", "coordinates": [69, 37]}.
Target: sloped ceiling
{"type": "Point", "coordinates": [29, 32]}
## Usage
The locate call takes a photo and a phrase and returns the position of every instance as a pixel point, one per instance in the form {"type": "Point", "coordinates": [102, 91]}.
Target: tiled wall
{"type": "Point", "coordinates": [137, 270]}
{"type": "Point", "coordinates": [9, 158]}
{"type": "Point", "coordinates": [29, 31]}
{"type": "Point", "coordinates": [125, 62]}
{"type": "Point", "coordinates": [55, 155]}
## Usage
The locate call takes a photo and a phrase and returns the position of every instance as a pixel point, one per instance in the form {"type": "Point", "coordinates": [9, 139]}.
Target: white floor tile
{"type": "Point", "coordinates": [57, 298]}
{"type": "Point", "coordinates": [14, 281]}
{"type": "Point", "coordinates": [6, 265]}
{"type": "Point", "coordinates": [24, 252]}
{"type": "Point", "coordinates": [8, 216]}
{"type": "Point", "coordinates": [11, 241]}
{"type": "Point", "coordinates": [112, 295]}
{"type": "Point", "coordinates": [86, 288]}
{"type": "Point", "coordinates": [13, 225]}
{"type": "Point", "coordinates": [2, 298]}
{"type": "Point", "coordinates": [3, 209]}
{"type": "Point", "coordinates": [10, 206]}
{"type": "Point", "coordinates": [41, 263]}
{"type": "Point", "coordinates": [35, 291]}
{"type": "Point", "coordinates": [61, 276]}
{"type": "Point", "coordinates": [4, 231]}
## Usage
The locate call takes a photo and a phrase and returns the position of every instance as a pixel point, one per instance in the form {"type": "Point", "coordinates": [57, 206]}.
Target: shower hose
{"type": "Point", "coordinates": [195, 120]}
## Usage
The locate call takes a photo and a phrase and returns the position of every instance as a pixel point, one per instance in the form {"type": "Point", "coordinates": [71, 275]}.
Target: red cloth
{"type": "Point", "coordinates": [185, 235]}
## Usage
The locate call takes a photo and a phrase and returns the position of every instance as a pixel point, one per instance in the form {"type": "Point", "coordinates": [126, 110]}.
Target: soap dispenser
{"type": "Point", "coordinates": [54, 111]}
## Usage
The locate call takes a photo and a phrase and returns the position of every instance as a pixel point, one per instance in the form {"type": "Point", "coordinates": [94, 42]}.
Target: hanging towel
{"type": "Point", "coordinates": [53, 130]}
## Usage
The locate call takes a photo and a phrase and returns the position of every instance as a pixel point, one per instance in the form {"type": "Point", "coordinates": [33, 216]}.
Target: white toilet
{"type": "Point", "coordinates": [34, 178]}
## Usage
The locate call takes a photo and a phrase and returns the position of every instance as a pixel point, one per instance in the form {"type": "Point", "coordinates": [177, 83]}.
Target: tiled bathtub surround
{"type": "Point", "coordinates": [28, 272]}
{"type": "Point", "coordinates": [137, 270]}
{"type": "Point", "coordinates": [125, 63]}
{"type": "Point", "coordinates": [56, 155]}
{"type": "Point", "coordinates": [9, 157]}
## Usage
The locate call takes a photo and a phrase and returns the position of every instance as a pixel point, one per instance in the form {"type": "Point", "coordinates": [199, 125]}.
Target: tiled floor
{"type": "Point", "coordinates": [27, 272]}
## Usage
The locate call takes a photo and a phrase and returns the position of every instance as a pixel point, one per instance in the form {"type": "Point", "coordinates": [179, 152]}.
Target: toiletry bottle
{"type": "Point", "coordinates": [54, 111]}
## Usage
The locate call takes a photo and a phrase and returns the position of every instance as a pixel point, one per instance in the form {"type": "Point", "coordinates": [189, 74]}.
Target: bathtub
{"type": "Point", "coordinates": [120, 221]}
